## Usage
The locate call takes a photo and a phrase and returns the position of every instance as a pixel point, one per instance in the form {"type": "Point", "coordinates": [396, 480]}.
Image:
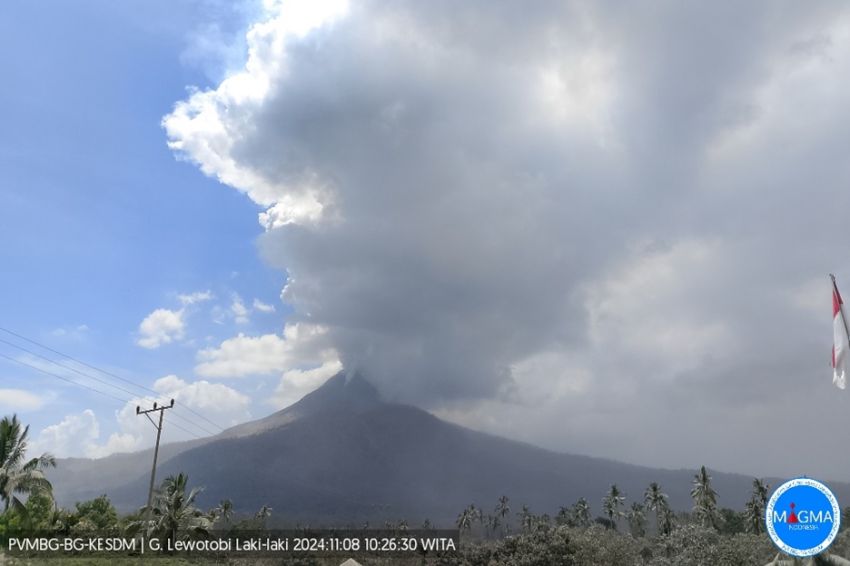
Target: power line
{"type": "Point", "coordinates": [37, 355]}
{"type": "Point", "coordinates": [57, 376]}
{"type": "Point", "coordinates": [105, 372]}
{"type": "Point", "coordinates": [94, 378]}
{"type": "Point", "coordinates": [83, 385]}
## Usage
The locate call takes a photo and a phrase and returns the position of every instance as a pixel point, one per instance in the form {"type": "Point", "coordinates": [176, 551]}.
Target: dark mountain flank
{"type": "Point", "coordinates": [342, 455]}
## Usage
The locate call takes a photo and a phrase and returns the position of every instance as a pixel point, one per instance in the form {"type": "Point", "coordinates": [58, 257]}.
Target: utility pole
{"type": "Point", "coordinates": [161, 410]}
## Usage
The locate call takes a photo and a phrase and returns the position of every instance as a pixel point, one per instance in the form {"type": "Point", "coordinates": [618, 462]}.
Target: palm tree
{"type": "Point", "coordinates": [502, 511]}
{"type": "Point", "coordinates": [656, 500]}
{"type": "Point", "coordinates": [464, 520]}
{"type": "Point", "coordinates": [581, 513]}
{"type": "Point", "coordinates": [705, 499]}
{"type": "Point", "coordinates": [611, 504]}
{"type": "Point", "coordinates": [223, 512]}
{"type": "Point", "coordinates": [260, 516]}
{"type": "Point", "coordinates": [754, 513]}
{"type": "Point", "coordinates": [502, 508]}
{"type": "Point", "coordinates": [637, 520]}
{"type": "Point", "coordinates": [173, 511]}
{"type": "Point", "coordinates": [18, 475]}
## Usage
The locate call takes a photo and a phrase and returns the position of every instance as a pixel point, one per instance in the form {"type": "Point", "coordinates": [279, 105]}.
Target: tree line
{"type": "Point", "coordinates": [707, 534]}
{"type": "Point", "coordinates": [28, 505]}
{"type": "Point", "coordinates": [705, 512]}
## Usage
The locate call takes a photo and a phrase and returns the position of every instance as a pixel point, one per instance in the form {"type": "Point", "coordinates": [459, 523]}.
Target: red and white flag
{"type": "Point", "coordinates": [840, 340]}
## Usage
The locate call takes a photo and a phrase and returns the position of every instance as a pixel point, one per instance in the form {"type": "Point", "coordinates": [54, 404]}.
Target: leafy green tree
{"type": "Point", "coordinates": [11, 524]}
{"type": "Point", "coordinates": [17, 474]}
{"type": "Point", "coordinates": [705, 500]}
{"type": "Point", "coordinates": [97, 514]}
{"type": "Point", "coordinates": [656, 500]}
{"type": "Point", "coordinates": [731, 522]}
{"type": "Point", "coordinates": [611, 504]}
{"type": "Point", "coordinates": [173, 513]}
{"type": "Point", "coordinates": [38, 512]}
{"type": "Point", "coordinates": [62, 520]}
{"type": "Point", "coordinates": [755, 507]}
{"type": "Point", "coordinates": [637, 520]}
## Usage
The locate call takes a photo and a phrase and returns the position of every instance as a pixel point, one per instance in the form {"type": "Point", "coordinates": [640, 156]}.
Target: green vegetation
{"type": "Point", "coordinates": [97, 515]}
{"type": "Point", "coordinates": [19, 476]}
{"type": "Point", "coordinates": [754, 510]}
{"type": "Point", "coordinates": [601, 546]}
{"type": "Point", "coordinates": [705, 500]}
{"type": "Point", "coordinates": [173, 514]}
{"type": "Point", "coordinates": [611, 504]}
{"type": "Point", "coordinates": [656, 535]}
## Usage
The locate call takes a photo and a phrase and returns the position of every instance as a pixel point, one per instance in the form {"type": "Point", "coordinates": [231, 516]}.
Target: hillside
{"type": "Point", "coordinates": [341, 454]}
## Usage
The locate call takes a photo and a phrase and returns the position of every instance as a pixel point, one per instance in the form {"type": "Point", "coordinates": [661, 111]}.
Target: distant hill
{"type": "Point", "coordinates": [343, 455]}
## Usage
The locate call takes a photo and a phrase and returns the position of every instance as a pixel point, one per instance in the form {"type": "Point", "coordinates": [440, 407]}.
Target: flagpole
{"type": "Point", "coordinates": [840, 304]}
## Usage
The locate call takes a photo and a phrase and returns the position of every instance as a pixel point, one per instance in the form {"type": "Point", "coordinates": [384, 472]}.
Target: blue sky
{"type": "Point", "coordinates": [100, 223]}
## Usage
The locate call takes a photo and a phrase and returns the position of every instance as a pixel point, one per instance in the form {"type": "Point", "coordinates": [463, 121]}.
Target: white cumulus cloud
{"type": "Point", "coordinates": [196, 297]}
{"type": "Point", "coordinates": [263, 307]}
{"type": "Point", "coordinates": [162, 326]}
{"type": "Point", "coordinates": [214, 398]}
{"type": "Point", "coordinates": [79, 435]}
{"type": "Point", "coordinates": [82, 434]}
{"type": "Point", "coordinates": [239, 310]}
{"type": "Point", "coordinates": [20, 400]}
{"type": "Point", "coordinates": [74, 434]}
{"type": "Point", "coordinates": [300, 345]}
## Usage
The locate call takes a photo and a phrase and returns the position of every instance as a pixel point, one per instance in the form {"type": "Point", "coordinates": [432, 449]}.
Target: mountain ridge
{"type": "Point", "coordinates": [342, 454]}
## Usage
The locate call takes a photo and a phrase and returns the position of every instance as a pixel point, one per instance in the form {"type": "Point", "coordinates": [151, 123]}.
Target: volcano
{"type": "Point", "coordinates": [342, 455]}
